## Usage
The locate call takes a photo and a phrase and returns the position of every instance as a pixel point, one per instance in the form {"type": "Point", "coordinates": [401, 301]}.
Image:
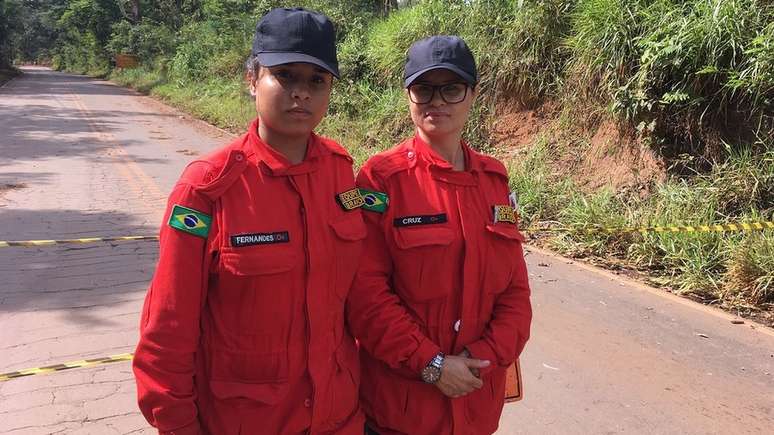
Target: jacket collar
{"type": "Point", "coordinates": [263, 154]}
{"type": "Point", "coordinates": [443, 170]}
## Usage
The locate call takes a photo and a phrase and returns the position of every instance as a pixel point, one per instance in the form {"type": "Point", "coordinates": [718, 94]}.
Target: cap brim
{"type": "Point", "coordinates": [453, 68]}
{"type": "Point", "coordinates": [280, 58]}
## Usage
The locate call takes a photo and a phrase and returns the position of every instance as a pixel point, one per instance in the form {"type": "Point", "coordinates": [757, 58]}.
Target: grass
{"type": "Point", "coordinates": [222, 102]}
{"type": "Point", "coordinates": [734, 269]}
{"type": "Point", "coordinates": [541, 193]}
{"type": "Point", "coordinates": [750, 275]}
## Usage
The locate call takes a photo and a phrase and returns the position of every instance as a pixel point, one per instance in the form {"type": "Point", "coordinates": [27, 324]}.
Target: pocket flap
{"type": "Point", "coordinates": [258, 260]}
{"type": "Point", "coordinates": [269, 394]}
{"type": "Point", "coordinates": [414, 237]}
{"type": "Point", "coordinates": [507, 231]}
{"type": "Point", "coordinates": [350, 228]}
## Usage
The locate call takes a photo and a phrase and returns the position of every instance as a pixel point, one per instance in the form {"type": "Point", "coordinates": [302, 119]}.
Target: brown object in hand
{"type": "Point", "coordinates": [513, 384]}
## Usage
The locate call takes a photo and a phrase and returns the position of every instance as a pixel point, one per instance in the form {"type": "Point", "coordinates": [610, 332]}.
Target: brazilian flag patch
{"type": "Point", "coordinates": [374, 201]}
{"type": "Point", "coordinates": [189, 220]}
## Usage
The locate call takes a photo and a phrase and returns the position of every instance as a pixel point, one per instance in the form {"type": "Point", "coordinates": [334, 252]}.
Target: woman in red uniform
{"type": "Point", "coordinates": [440, 303]}
{"type": "Point", "coordinates": [242, 330]}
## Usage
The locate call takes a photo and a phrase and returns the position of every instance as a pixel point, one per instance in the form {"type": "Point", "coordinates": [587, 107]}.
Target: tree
{"type": "Point", "coordinates": [9, 27]}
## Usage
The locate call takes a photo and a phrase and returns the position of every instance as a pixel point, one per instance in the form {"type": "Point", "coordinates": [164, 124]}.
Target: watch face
{"type": "Point", "coordinates": [431, 374]}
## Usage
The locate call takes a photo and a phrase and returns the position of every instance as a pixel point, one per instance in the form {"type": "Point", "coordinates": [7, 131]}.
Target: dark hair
{"type": "Point", "coordinates": [252, 66]}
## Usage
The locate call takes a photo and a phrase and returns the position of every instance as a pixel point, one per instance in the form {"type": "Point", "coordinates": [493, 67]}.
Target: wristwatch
{"type": "Point", "coordinates": [432, 372]}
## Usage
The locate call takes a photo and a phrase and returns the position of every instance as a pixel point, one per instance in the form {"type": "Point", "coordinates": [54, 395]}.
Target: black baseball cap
{"type": "Point", "coordinates": [286, 35]}
{"type": "Point", "coordinates": [440, 52]}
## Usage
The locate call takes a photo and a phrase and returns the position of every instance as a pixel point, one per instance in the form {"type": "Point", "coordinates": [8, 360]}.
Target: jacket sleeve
{"type": "Point", "coordinates": [508, 330]}
{"type": "Point", "coordinates": [164, 363]}
{"type": "Point", "coordinates": [375, 314]}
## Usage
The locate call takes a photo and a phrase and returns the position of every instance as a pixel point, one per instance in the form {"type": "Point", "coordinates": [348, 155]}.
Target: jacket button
{"type": "Point", "coordinates": [410, 154]}
{"type": "Point", "coordinates": [457, 325]}
{"type": "Point", "coordinates": [308, 403]}
{"type": "Point", "coordinates": [239, 157]}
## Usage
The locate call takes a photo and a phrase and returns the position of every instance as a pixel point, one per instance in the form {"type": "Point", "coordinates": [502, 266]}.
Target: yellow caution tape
{"type": "Point", "coordinates": [743, 226]}
{"type": "Point", "coordinates": [66, 366]}
{"type": "Point", "coordinates": [35, 243]}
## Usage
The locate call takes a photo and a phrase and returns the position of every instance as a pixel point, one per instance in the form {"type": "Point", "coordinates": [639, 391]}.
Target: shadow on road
{"type": "Point", "coordinates": [74, 278]}
{"type": "Point", "coordinates": [59, 83]}
{"type": "Point", "coordinates": [40, 119]}
{"type": "Point", "coordinates": [42, 131]}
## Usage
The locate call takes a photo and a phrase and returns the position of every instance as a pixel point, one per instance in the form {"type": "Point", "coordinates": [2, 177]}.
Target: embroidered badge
{"type": "Point", "coordinates": [241, 240]}
{"type": "Point", "coordinates": [189, 220]}
{"type": "Point", "coordinates": [374, 201]}
{"type": "Point", "coordinates": [504, 213]}
{"type": "Point", "coordinates": [351, 199]}
{"type": "Point", "coordinates": [407, 221]}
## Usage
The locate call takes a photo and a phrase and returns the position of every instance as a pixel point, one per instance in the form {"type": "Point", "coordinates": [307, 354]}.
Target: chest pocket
{"type": "Point", "coordinates": [259, 260]}
{"type": "Point", "coordinates": [502, 241]}
{"type": "Point", "coordinates": [251, 294]}
{"type": "Point", "coordinates": [347, 245]}
{"type": "Point", "coordinates": [422, 261]}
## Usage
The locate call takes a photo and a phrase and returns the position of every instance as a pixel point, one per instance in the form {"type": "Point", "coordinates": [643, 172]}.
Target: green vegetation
{"type": "Point", "coordinates": [8, 28]}
{"type": "Point", "coordinates": [730, 268]}
{"type": "Point", "coordinates": [690, 81]}
{"type": "Point", "coordinates": [7, 74]}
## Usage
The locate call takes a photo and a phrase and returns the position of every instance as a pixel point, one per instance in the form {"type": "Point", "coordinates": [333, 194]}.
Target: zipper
{"type": "Point", "coordinates": [307, 264]}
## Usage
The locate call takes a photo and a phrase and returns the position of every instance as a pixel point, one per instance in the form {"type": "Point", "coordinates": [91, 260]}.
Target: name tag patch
{"type": "Point", "coordinates": [351, 199]}
{"type": "Point", "coordinates": [504, 213]}
{"type": "Point", "coordinates": [407, 221]}
{"type": "Point", "coordinates": [241, 240]}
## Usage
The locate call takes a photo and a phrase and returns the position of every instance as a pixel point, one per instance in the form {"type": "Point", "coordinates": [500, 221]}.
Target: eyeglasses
{"type": "Point", "coordinates": [451, 93]}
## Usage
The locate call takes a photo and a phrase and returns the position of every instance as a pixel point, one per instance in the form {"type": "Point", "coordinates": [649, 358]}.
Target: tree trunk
{"type": "Point", "coordinates": [135, 11]}
{"type": "Point", "coordinates": [389, 6]}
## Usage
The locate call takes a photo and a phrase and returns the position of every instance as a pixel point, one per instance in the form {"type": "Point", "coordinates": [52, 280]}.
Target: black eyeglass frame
{"type": "Point", "coordinates": [439, 89]}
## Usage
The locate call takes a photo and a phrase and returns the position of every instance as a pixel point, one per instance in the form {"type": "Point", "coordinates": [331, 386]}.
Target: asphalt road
{"type": "Point", "coordinates": [82, 157]}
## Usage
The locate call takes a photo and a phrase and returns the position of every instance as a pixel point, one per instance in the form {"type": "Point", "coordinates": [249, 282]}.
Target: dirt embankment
{"type": "Point", "coordinates": [595, 157]}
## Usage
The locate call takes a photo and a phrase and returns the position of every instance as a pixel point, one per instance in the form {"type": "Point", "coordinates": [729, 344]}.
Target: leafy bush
{"type": "Point", "coordinates": [212, 49]}
{"type": "Point", "coordinates": [696, 68]}
{"type": "Point", "coordinates": [146, 40]}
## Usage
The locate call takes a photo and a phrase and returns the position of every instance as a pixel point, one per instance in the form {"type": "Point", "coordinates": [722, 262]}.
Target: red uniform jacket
{"type": "Point", "coordinates": [243, 331]}
{"type": "Point", "coordinates": [438, 274]}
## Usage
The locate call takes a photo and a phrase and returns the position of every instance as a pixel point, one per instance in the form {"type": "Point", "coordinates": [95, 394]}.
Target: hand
{"type": "Point", "coordinates": [457, 378]}
{"type": "Point", "coordinates": [474, 370]}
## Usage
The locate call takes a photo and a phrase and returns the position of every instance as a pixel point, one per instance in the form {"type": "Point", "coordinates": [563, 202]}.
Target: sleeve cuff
{"type": "Point", "coordinates": [422, 356]}
{"type": "Point", "coordinates": [481, 350]}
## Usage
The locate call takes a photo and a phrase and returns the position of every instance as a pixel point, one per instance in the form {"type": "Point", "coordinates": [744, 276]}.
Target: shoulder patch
{"type": "Point", "coordinates": [190, 221]}
{"type": "Point", "coordinates": [374, 201]}
{"type": "Point", "coordinates": [504, 213]}
{"type": "Point", "coordinates": [351, 199]}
